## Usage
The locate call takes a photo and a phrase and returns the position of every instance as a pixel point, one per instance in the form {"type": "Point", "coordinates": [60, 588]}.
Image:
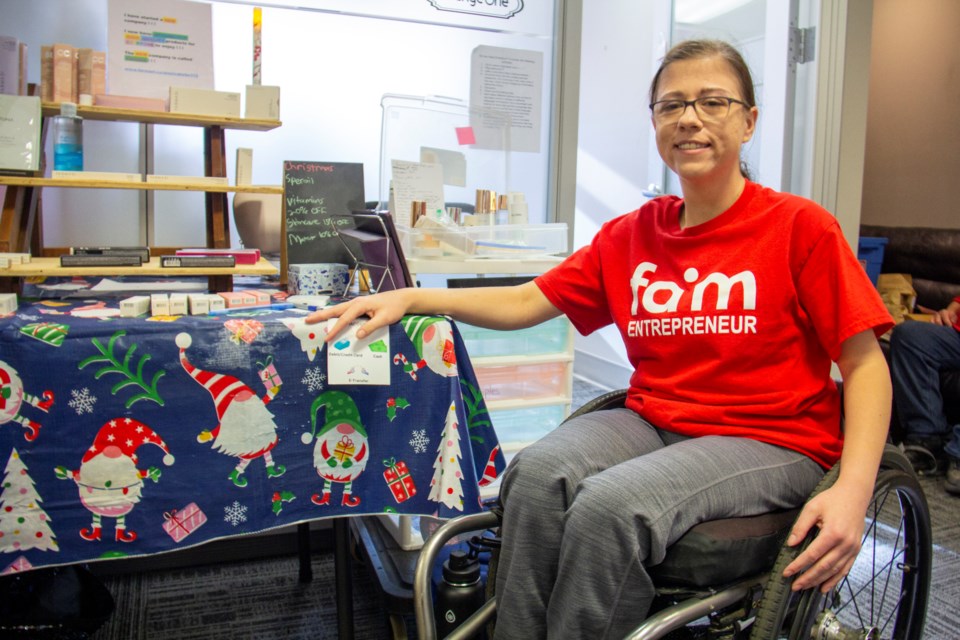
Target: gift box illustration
{"type": "Point", "coordinates": [399, 480]}
{"type": "Point", "coordinates": [52, 333]}
{"type": "Point", "coordinates": [245, 330]}
{"type": "Point", "coordinates": [268, 374]}
{"type": "Point", "coordinates": [180, 524]}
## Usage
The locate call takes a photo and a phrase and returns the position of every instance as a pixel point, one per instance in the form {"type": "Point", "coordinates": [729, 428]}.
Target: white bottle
{"type": "Point", "coordinates": [67, 139]}
{"type": "Point", "coordinates": [518, 209]}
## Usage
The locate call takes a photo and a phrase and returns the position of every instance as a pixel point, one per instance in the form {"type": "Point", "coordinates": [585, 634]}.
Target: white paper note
{"type": "Point", "coordinates": [352, 360]}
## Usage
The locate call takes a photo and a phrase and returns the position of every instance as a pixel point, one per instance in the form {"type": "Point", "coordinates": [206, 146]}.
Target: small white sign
{"type": "Point", "coordinates": [352, 360]}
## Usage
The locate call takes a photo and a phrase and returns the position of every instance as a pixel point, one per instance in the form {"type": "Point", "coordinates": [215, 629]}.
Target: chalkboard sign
{"type": "Point", "coordinates": [314, 193]}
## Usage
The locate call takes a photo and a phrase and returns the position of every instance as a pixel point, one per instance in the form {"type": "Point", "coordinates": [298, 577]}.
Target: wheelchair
{"type": "Point", "coordinates": [700, 593]}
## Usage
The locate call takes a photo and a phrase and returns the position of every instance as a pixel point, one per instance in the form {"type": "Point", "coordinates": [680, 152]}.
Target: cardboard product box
{"type": "Point", "coordinates": [46, 73]}
{"type": "Point", "coordinates": [204, 102]}
{"type": "Point", "coordinates": [233, 299]}
{"type": "Point", "coordinates": [262, 297]}
{"type": "Point", "coordinates": [20, 122]}
{"type": "Point", "coordinates": [217, 303]}
{"type": "Point", "coordinates": [198, 303]}
{"type": "Point", "coordinates": [178, 304]}
{"type": "Point", "coordinates": [159, 304]}
{"type": "Point", "coordinates": [262, 102]}
{"type": "Point", "coordinates": [8, 302]}
{"type": "Point", "coordinates": [64, 56]}
{"type": "Point", "coordinates": [134, 306]}
{"type": "Point", "coordinates": [98, 73]}
{"type": "Point", "coordinates": [9, 65]}
{"type": "Point", "coordinates": [85, 71]}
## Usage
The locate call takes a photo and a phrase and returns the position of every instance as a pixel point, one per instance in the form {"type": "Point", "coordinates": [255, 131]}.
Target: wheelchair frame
{"type": "Point", "coordinates": [764, 606]}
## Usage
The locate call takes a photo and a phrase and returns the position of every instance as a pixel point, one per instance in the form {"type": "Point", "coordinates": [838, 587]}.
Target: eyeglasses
{"type": "Point", "coordinates": [711, 108]}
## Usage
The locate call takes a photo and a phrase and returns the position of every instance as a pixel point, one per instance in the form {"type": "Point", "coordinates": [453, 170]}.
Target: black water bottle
{"type": "Point", "coordinates": [459, 594]}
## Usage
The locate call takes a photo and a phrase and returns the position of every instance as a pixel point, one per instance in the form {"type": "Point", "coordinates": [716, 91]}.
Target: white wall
{"type": "Point", "coordinates": [912, 139]}
{"type": "Point", "coordinates": [620, 44]}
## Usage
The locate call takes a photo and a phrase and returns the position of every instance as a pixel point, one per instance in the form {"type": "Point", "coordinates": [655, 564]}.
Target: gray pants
{"type": "Point", "coordinates": [593, 503]}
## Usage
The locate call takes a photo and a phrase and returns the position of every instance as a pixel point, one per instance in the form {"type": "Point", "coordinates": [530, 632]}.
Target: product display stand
{"type": "Point", "coordinates": [374, 247]}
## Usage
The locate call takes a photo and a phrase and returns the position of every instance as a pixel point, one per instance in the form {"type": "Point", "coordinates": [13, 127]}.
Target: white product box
{"type": "Point", "coordinates": [159, 304]}
{"type": "Point", "coordinates": [204, 102]}
{"type": "Point", "coordinates": [15, 258]}
{"type": "Point", "coordinates": [106, 176]}
{"type": "Point", "coordinates": [20, 133]}
{"type": "Point", "coordinates": [199, 304]}
{"type": "Point", "coordinates": [217, 303]}
{"type": "Point", "coordinates": [8, 302]}
{"type": "Point", "coordinates": [134, 306]}
{"type": "Point", "coordinates": [262, 102]}
{"type": "Point", "coordinates": [200, 181]}
{"type": "Point", "coordinates": [244, 166]}
{"type": "Point", "coordinates": [178, 304]}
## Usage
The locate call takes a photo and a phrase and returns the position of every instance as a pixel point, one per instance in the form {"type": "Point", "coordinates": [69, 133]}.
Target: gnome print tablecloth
{"type": "Point", "coordinates": [130, 436]}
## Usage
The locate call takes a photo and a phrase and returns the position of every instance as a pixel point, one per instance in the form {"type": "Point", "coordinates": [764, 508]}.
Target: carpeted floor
{"type": "Point", "coordinates": [260, 599]}
{"type": "Point", "coordinates": [264, 598]}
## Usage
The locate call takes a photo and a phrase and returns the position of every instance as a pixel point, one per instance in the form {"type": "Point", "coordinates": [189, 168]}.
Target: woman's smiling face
{"type": "Point", "coordinates": [697, 148]}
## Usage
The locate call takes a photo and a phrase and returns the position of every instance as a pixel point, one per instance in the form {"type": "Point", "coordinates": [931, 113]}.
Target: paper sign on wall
{"type": "Point", "coordinates": [506, 82]}
{"type": "Point", "coordinates": [154, 44]}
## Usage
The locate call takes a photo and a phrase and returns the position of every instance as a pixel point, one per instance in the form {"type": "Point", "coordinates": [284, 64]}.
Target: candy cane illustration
{"type": "Point", "coordinates": [409, 368]}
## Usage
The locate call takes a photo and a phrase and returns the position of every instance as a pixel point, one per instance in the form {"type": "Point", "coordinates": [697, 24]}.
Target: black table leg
{"type": "Point", "coordinates": [303, 550]}
{"type": "Point", "coordinates": [341, 555]}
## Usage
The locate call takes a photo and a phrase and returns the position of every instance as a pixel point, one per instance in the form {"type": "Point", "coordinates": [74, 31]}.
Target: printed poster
{"type": "Point", "coordinates": [155, 44]}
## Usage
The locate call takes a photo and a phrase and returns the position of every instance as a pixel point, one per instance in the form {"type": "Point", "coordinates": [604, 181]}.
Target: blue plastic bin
{"type": "Point", "coordinates": [870, 253]}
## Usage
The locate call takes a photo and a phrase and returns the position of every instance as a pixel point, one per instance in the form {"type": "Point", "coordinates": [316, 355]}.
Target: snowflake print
{"type": "Point", "coordinates": [82, 401]}
{"type": "Point", "coordinates": [419, 441]}
{"type": "Point", "coordinates": [235, 513]}
{"type": "Point", "coordinates": [314, 379]}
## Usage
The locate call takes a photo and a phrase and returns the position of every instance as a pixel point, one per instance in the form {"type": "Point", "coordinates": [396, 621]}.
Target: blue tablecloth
{"type": "Point", "coordinates": [122, 437]}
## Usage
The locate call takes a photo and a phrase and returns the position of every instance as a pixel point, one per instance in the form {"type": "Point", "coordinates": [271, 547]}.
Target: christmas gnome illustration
{"type": "Point", "coordinates": [108, 480]}
{"type": "Point", "coordinates": [341, 450]}
{"type": "Point", "coordinates": [246, 429]}
{"type": "Point", "coordinates": [433, 338]}
{"type": "Point", "coordinates": [13, 398]}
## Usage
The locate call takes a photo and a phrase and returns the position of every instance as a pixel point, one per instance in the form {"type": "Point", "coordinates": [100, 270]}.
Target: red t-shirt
{"type": "Point", "coordinates": [731, 325]}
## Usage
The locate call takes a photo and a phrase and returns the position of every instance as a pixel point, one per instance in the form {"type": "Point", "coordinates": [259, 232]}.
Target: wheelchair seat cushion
{"type": "Point", "coordinates": [721, 551]}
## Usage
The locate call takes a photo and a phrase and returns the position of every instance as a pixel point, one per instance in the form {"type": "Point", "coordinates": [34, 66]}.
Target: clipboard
{"type": "Point", "coordinates": [374, 246]}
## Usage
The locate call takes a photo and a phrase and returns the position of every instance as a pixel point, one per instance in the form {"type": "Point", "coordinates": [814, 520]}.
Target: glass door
{"type": "Point", "coordinates": [766, 33]}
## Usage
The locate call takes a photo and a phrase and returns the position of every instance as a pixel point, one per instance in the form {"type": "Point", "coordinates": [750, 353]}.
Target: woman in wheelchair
{"type": "Point", "coordinates": [732, 301]}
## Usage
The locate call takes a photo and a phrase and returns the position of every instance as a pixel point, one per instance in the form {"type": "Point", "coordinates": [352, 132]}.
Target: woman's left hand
{"type": "Point", "coordinates": [838, 512]}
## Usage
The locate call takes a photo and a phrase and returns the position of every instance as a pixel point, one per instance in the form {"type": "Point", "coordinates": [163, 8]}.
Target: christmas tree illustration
{"type": "Point", "coordinates": [446, 487]}
{"type": "Point", "coordinates": [23, 523]}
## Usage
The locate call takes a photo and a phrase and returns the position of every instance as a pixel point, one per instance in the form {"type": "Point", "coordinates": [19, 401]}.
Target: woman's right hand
{"type": "Point", "coordinates": [382, 308]}
{"type": "Point", "coordinates": [948, 316]}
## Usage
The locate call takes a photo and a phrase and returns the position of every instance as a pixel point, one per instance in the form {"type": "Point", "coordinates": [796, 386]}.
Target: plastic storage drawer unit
{"type": "Point", "coordinates": [523, 382]}
{"type": "Point", "coordinates": [517, 428]}
{"type": "Point", "coordinates": [549, 337]}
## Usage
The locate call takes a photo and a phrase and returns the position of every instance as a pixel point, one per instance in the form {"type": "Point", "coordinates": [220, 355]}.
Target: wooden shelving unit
{"type": "Point", "coordinates": [74, 183]}
{"type": "Point", "coordinates": [51, 267]}
{"type": "Point", "coordinates": [19, 227]}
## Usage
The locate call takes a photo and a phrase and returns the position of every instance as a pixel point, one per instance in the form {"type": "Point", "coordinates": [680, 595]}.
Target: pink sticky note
{"type": "Point", "coordinates": [465, 135]}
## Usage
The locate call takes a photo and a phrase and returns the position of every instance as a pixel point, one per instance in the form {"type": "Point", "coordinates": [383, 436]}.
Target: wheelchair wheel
{"type": "Point", "coordinates": [885, 594]}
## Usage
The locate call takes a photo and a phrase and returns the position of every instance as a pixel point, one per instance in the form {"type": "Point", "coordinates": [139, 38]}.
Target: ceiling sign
{"type": "Point", "coordinates": [492, 8]}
